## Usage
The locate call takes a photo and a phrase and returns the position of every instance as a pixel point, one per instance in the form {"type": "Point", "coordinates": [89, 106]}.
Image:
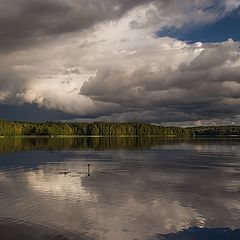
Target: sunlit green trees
{"type": "Point", "coordinates": [8, 128]}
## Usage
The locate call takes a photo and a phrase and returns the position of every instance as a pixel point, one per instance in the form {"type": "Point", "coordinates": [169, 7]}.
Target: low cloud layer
{"type": "Point", "coordinates": [103, 60]}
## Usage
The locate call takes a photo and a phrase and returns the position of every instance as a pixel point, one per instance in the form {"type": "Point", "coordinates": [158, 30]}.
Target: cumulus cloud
{"type": "Point", "coordinates": [24, 22]}
{"type": "Point", "coordinates": [103, 60]}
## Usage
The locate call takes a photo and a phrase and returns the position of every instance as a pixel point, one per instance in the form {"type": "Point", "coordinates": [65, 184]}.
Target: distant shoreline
{"type": "Point", "coordinates": [118, 136]}
{"type": "Point", "coordinates": [110, 129]}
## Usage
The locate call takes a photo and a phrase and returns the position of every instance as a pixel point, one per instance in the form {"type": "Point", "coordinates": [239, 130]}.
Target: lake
{"type": "Point", "coordinates": [136, 188]}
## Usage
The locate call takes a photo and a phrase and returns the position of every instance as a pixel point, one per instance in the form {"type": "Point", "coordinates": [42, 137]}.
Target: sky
{"type": "Point", "coordinates": [168, 62]}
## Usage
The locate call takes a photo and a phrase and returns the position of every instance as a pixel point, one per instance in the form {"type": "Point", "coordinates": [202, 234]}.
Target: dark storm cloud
{"type": "Point", "coordinates": [31, 112]}
{"type": "Point", "coordinates": [24, 22]}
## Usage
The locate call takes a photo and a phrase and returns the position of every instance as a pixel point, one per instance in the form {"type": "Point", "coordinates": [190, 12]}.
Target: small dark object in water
{"type": "Point", "coordinates": [88, 169]}
{"type": "Point", "coordinates": [65, 172]}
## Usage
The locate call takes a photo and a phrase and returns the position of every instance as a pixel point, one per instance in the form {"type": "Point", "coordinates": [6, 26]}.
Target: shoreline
{"type": "Point", "coordinates": [120, 136]}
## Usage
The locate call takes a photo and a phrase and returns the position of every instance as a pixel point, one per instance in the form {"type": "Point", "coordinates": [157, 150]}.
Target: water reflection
{"type": "Point", "coordinates": [132, 193]}
{"type": "Point", "coordinates": [11, 144]}
{"type": "Point", "coordinates": [14, 230]}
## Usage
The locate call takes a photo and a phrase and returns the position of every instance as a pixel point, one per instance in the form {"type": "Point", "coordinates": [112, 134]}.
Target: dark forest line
{"type": "Point", "coordinates": [10, 128]}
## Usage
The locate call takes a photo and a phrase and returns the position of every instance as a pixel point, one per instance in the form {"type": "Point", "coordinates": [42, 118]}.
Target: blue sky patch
{"type": "Point", "coordinates": [227, 27]}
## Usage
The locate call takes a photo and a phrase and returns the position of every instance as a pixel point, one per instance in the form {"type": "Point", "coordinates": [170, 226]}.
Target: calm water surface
{"type": "Point", "coordinates": [138, 188]}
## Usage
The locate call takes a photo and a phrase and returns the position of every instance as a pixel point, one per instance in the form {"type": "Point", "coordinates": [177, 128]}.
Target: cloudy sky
{"type": "Point", "coordinates": [175, 61]}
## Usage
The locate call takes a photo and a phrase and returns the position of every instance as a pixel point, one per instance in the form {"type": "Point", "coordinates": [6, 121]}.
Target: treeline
{"type": "Point", "coordinates": [215, 131]}
{"type": "Point", "coordinates": [8, 128]}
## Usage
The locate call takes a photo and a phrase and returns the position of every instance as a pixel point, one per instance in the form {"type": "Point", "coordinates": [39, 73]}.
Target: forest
{"type": "Point", "coordinates": [10, 128]}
